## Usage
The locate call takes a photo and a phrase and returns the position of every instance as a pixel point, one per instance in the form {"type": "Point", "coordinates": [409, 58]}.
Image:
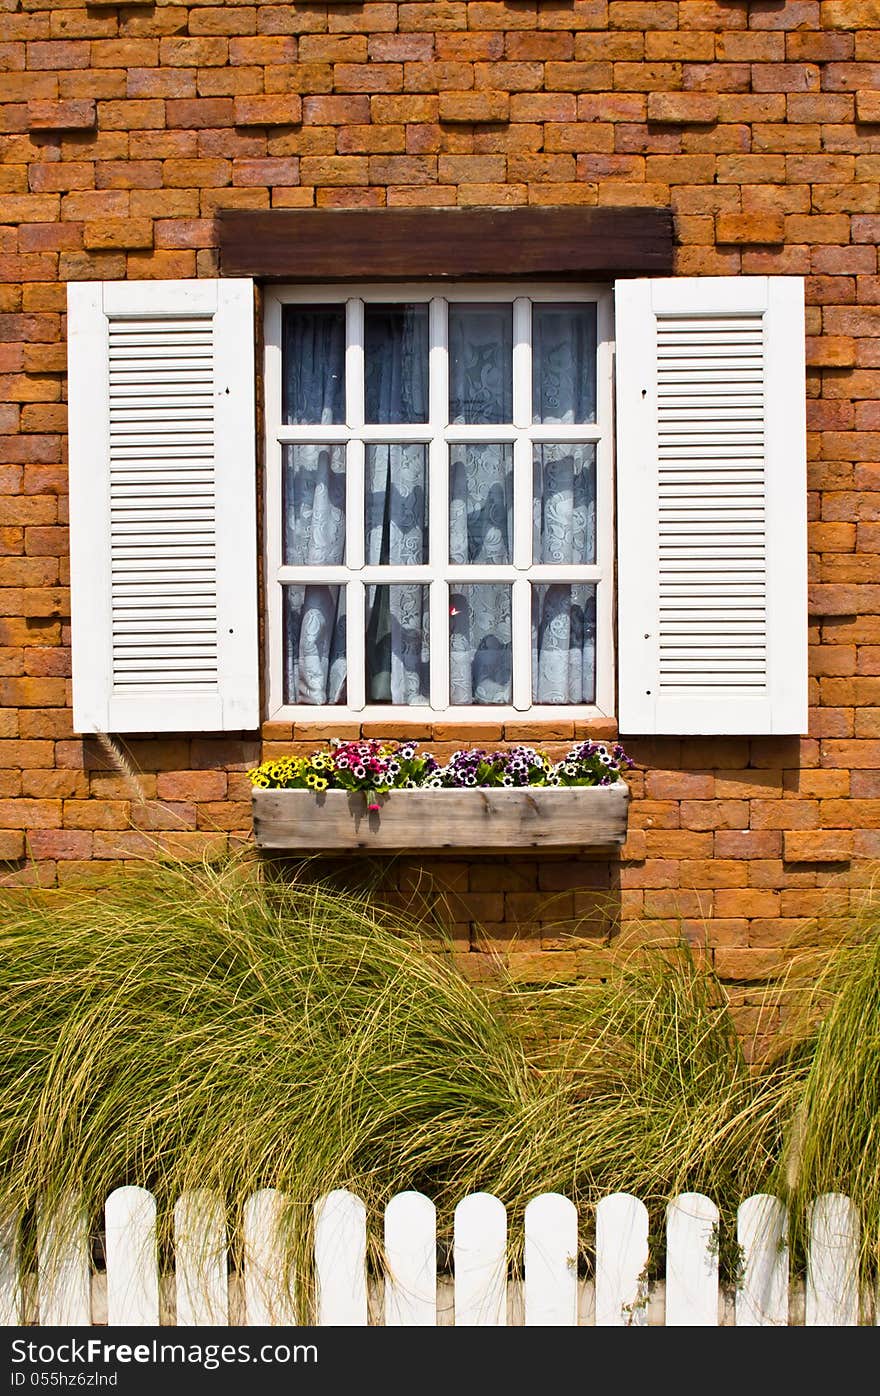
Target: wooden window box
{"type": "Point", "coordinates": [481, 819]}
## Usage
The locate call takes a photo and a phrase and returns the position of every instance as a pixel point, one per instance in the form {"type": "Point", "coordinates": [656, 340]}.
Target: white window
{"type": "Point", "coordinates": [439, 504]}
{"type": "Point", "coordinates": [439, 516]}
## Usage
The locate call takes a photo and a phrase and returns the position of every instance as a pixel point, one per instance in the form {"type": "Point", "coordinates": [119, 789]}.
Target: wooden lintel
{"type": "Point", "coordinates": [419, 244]}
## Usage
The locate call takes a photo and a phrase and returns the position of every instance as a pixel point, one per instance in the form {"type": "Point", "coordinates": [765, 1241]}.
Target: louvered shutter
{"type": "Point", "coordinates": [711, 505]}
{"type": "Point", "coordinates": [163, 506]}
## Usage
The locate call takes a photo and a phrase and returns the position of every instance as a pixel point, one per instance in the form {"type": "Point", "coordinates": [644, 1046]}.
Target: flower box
{"type": "Point", "coordinates": [486, 819]}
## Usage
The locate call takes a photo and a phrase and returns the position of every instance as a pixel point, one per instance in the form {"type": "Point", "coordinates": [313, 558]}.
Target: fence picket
{"type": "Point", "coordinates": [414, 1294]}
{"type": "Point", "coordinates": [10, 1286]}
{"type": "Point", "coordinates": [480, 1261]}
{"type": "Point", "coordinates": [200, 1260]}
{"type": "Point", "coordinates": [63, 1267]}
{"type": "Point", "coordinates": [551, 1249]}
{"type": "Point", "coordinates": [132, 1261]}
{"type": "Point", "coordinates": [341, 1260]}
{"type": "Point", "coordinates": [621, 1258]}
{"type": "Point", "coordinates": [832, 1299]}
{"type": "Point", "coordinates": [268, 1285]}
{"type": "Point", "coordinates": [762, 1234]}
{"type": "Point", "coordinates": [411, 1258]}
{"type": "Point", "coordinates": [691, 1262]}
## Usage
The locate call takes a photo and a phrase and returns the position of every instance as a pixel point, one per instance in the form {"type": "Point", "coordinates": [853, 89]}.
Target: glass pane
{"type": "Point", "coordinates": [314, 644]}
{"type": "Point", "coordinates": [397, 644]}
{"type": "Point", "coordinates": [396, 504]}
{"type": "Point", "coordinates": [313, 489]}
{"type": "Point", "coordinates": [396, 363]}
{"type": "Point", "coordinates": [563, 643]}
{"type": "Point", "coordinates": [564, 504]}
{"type": "Point", "coordinates": [480, 646]}
{"type": "Point", "coordinates": [481, 503]}
{"type": "Point", "coordinates": [480, 363]}
{"type": "Point", "coordinates": [313, 367]}
{"type": "Point", "coordinates": [563, 363]}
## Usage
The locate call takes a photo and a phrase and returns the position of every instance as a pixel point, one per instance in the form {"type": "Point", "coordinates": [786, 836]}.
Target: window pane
{"type": "Point", "coordinates": [314, 644]}
{"type": "Point", "coordinates": [564, 363]}
{"type": "Point", "coordinates": [396, 359]}
{"type": "Point", "coordinates": [397, 644]}
{"type": "Point", "coordinates": [480, 644]}
{"type": "Point", "coordinates": [313, 371]}
{"type": "Point", "coordinates": [396, 504]}
{"type": "Point", "coordinates": [313, 487]}
{"type": "Point", "coordinates": [564, 504]}
{"type": "Point", "coordinates": [480, 363]}
{"type": "Point", "coordinates": [481, 503]}
{"type": "Point", "coordinates": [563, 643]}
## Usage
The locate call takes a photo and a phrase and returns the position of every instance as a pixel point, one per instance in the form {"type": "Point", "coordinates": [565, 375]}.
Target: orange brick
{"type": "Point", "coordinates": [118, 232]}
{"type": "Point", "coordinates": [677, 843]}
{"type": "Point", "coordinates": [746, 902]}
{"type": "Point", "coordinates": [678, 903]}
{"type": "Point", "coordinates": [30, 814]}
{"type": "Point", "coordinates": [715, 814]}
{"type": "Point", "coordinates": [11, 845]}
{"type": "Point", "coordinates": [683, 108]}
{"type": "Point", "coordinates": [473, 107]}
{"type": "Point", "coordinates": [268, 110]}
{"type": "Point", "coordinates": [540, 732]}
{"type": "Point", "coordinates": [713, 872]}
{"type": "Point", "coordinates": [678, 785]}
{"type": "Point", "coordinates": [818, 846]}
{"type": "Point", "coordinates": [61, 116]}
{"type": "Point", "coordinates": [784, 814]}
{"type": "Point", "coordinates": [59, 843]}
{"type": "Point", "coordinates": [749, 228]}
{"type": "Point", "coordinates": [191, 785]}
{"type": "Point", "coordinates": [96, 814]}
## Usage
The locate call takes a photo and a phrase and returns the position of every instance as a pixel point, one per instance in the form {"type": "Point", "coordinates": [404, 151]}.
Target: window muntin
{"type": "Point", "coordinates": [455, 553]}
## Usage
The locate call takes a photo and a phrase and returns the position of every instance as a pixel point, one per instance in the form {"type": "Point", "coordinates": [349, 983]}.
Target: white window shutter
{"type": "Point", "coordinates": [163, 506]}
{"type": "Point", "coordinates": [711, 505]}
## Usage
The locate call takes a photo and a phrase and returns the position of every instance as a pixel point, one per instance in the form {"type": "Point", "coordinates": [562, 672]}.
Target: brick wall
{"type": "Point", "coordinates": [126, 127]}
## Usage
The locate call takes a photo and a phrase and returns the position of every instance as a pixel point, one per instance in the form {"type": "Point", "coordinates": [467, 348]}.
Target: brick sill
{"type": "Point", "coordinates": [600, 729]}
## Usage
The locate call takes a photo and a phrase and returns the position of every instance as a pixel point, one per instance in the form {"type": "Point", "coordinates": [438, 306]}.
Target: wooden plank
{"type": "Point", "coordinates": [480, 1262]}
{"type": "Point", "coordinates": [10, 1281]}
{"type": "Point", "coordinates": [200, 1260]}
{"type": "Point", "coordinates": [417, 244]}
{"type": "Point", "coordinates": [411, 1260]}
{"type": "Point", "coordinates": [762, 1235]}
{"type": "Point", "coordinates": [341, 1260]}
{"type": "Point", "coordinates": [132, 1260]}
{"type": "Point", "coordinates": [551, 1248]}
{"type": "Point", "coordinates": [832, 1298]}
{"type": "Point", "coordinates": [586, 817]}
{"type": "Point", "coordinates": [268, 1285]}
{"type": "Point", "coordinates": [621, 1259]}
{"type": "Point", "coordinates": [691, 1262]}
{"type": "Point", "coordinates": [64, 1267]}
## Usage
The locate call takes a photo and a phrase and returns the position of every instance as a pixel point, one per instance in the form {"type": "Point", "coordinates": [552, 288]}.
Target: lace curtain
{"type": "Point", "coordinates": [313, 484]}
{"type": "Point", "coordinates": [480, 506]}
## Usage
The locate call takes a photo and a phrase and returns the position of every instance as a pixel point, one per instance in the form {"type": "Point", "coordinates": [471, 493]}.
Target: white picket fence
{"type": "Point", "coordinates": [65, 1291]}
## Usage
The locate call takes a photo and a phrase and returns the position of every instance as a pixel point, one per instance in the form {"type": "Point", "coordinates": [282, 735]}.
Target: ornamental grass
{"type": "Point", "coordinates": [205, 1026]}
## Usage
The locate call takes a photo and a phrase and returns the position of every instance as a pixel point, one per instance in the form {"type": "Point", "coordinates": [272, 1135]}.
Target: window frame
{"type": "Point", "coordinates": [522, 432]}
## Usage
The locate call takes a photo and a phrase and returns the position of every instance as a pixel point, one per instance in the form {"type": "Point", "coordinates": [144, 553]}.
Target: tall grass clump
{"type": "Point", "coordinates": [833, 1135]}
{"type": "Point", "coordinates": [660, 1096]}
{"type": "Point", "coordinates": [195, 1027]}
{"type": "Point", "coordinates": [204, 1027]}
